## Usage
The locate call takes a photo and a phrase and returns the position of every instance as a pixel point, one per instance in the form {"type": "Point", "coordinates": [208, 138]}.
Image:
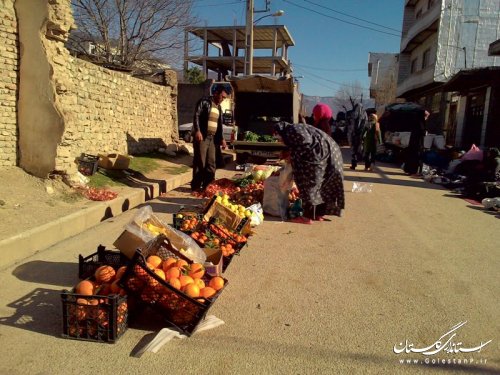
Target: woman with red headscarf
{"type": "Point", "coordinates": [322, 115]}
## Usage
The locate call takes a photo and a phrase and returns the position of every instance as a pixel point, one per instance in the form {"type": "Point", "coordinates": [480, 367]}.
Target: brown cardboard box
{"type": "Point", "coordinates": [114, 161]}
{"type": "Point", "coordinates": [214, 256]}
{"type": "Point", "coordinates": [227, 217]}
{"type": "Point", "coordinates": [128, 243]}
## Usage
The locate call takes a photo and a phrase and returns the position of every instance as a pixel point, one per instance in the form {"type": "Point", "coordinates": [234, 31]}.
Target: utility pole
{"type": "Point", "coordinates": [249, 39]}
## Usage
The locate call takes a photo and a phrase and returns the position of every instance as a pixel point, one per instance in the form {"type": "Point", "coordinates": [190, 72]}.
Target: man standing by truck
{"type": "Point", "coordinates": [208, 138]}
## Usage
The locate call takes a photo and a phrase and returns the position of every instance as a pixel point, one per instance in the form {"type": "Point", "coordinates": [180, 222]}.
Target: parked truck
{"type": "Point", "coordinates": [259, 103]}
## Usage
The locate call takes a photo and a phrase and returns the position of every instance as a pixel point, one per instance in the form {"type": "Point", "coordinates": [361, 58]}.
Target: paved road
{"type": "Point", "coordinates": [407, 262]}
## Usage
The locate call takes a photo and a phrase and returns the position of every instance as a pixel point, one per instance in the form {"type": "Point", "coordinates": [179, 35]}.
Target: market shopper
{"type": "Point", "coordinates": [371, 138]}
{"type": "Point", "coordinates": [322, 115]}
{"type": "Point", "coordinates": [207, 138]}
{"type": "Point", "coordinates": [317, 170]}
{"type": "Point", "coordinates": [356, 124]}
{"type": "Point", "coordinates": [413, 153]}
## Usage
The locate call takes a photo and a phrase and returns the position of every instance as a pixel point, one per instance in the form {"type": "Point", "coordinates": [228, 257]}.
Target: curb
{"type": "Point", "coordinates": [28, 243]}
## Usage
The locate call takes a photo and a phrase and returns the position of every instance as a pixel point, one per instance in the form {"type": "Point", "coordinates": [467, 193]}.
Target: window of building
{"type": "Point", "coordinates": [426, 58]}
{"type": "Point", "coordinates": [414, 66]}
{"type": "Point", "coordinates": [418, 14]}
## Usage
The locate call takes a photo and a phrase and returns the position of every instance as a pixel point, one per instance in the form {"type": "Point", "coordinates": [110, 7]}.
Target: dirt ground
{"type": "Point", "coordinates": [27, 202]}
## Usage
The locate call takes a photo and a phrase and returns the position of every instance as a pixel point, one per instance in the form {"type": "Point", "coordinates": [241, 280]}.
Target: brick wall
{"type": "Point", "coordinates": [8, 84]}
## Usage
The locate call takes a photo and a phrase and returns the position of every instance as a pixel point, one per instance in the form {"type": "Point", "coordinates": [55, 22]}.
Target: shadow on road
{"type": "Point", "coordinates": [51, 273]}
{"type": "Point", "coordinates": [38, 311]}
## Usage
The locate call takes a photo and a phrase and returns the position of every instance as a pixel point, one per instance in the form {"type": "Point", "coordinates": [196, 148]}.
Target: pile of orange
{"type": "Point", "coordinates": [91, 311]}
{"type": "Point", "coordinates": [188, 278]}
{"type": "Point", "coordinates": [189, 223]}
{"type": "Point", "coordinates": [105, 283]}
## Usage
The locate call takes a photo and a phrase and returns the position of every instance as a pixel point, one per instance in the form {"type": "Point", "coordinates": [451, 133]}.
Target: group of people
{"type": "Point", "coordinates": [364, 136]}
{"type": "Point", "coordinates": [315, 157]}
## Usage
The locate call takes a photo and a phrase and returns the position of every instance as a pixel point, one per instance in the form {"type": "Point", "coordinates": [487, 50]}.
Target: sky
{"type": "Point", "coordinates": [330, 50]}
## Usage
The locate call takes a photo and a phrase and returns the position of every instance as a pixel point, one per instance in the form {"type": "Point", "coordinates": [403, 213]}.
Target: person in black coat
{"type": "Point", "coordinates": [207, 138]}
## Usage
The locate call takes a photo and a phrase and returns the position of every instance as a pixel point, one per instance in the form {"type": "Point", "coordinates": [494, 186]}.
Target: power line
{"type": "Point", "coordinates": [341, 20]}
{"type": "Point", "coordinates": [331, 70]}
{"type": "Point", "coordinates": [335, 82]}
{"type": "Point", "coordinates": [321, 83]}
{"type": "Point", "coordinates": [215, 5]}
{"type": "Point", "coordinates": [348, 15]}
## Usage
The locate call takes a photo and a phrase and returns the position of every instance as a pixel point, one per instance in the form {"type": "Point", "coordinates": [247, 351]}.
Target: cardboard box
{"type": "Point", "coordinates": [128, 243]}
{"type": "Point", "coordinates": [215, 257]}
{"type": "Point", "coordinates": [114, 161]}
{"type": "Point", "coordinates": [227, 217]}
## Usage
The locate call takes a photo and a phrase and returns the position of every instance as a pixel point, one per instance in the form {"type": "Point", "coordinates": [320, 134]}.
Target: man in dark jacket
{"type": "Point", "coordinates": [207, 138]}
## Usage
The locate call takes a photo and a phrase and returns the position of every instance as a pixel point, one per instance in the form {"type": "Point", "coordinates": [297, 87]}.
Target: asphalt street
{"type": "Point", "coordinates": [366, 293]}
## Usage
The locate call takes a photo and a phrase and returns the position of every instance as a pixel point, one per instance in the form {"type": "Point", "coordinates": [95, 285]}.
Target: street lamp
{"type": "Point", "coordinates": [278, 13]}
{"type": "Point", "coordinates": [249, 32]}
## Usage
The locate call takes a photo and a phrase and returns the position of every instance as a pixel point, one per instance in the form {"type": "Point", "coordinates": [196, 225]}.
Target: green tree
{"type": "Point", "coordinates": [194, 75]}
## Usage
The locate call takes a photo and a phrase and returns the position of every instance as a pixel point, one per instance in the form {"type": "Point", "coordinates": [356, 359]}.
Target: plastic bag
{"type": "Point", "coordinates": [257, 214]}
{"type": "Point", "coordinates": [146, 225]}
{"type": "Point", "coordinates": [263, 172]}
{"type": "Point", "coordinates": [275, 202]}
{"type": "Point", "coordinates": [361, 187]}
{"type": "Point", "coordinates": [286, 178]}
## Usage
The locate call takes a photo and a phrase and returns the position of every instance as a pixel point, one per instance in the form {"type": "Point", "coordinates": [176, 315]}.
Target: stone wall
{"type": "Point", "coordinates": [107, 111]}
{"type": "Point", "coordinates": [8, 84]}
{"type": "Point", "coordinates": [68, 106]}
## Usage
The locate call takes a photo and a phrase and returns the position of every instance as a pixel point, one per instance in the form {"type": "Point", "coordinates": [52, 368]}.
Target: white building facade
{"type": "Point", "coordinates": [439, 39]}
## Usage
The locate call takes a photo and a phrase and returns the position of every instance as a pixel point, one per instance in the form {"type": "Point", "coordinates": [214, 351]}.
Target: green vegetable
{"type": "Point", "coordinates": [253, 137]}
{"type": "Point", "coordinates": [245, 181]}
{"type": "Point", "coordinates": [266, 138]}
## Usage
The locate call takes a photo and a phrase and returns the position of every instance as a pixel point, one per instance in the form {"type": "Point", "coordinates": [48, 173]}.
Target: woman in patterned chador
{"type": "Point", "coordinates": [317, 170]}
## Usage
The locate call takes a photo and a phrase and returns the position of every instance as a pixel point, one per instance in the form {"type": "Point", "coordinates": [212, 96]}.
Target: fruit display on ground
{"type": "Point", "coordinates": [161, 275]}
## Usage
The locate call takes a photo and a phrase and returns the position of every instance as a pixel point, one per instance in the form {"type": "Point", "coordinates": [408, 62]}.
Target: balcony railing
{"type": "Point", "coordinates": [425, 23]}
{"type": "Point", "coordinates": [416, 80]}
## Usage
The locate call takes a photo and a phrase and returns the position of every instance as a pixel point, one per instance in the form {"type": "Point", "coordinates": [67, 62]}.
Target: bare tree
{"type": "Point", "coordinates": [385, 92]}
{"type": "Point", "coordinates": [128, 32]}
{"type": "Point", "coordinates": [348, 95]}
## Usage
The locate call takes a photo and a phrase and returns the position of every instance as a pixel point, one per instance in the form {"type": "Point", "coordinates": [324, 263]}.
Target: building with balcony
{"type": "Point", "coordinates": [439, 39]}
{"type": "Point", "coordinates": [222, 50]}
{"type": "Point", "coordinates": [382, 70]}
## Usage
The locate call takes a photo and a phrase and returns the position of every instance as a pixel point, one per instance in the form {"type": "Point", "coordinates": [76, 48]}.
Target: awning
{"type": "Point", "coordinates": [465, 80]}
